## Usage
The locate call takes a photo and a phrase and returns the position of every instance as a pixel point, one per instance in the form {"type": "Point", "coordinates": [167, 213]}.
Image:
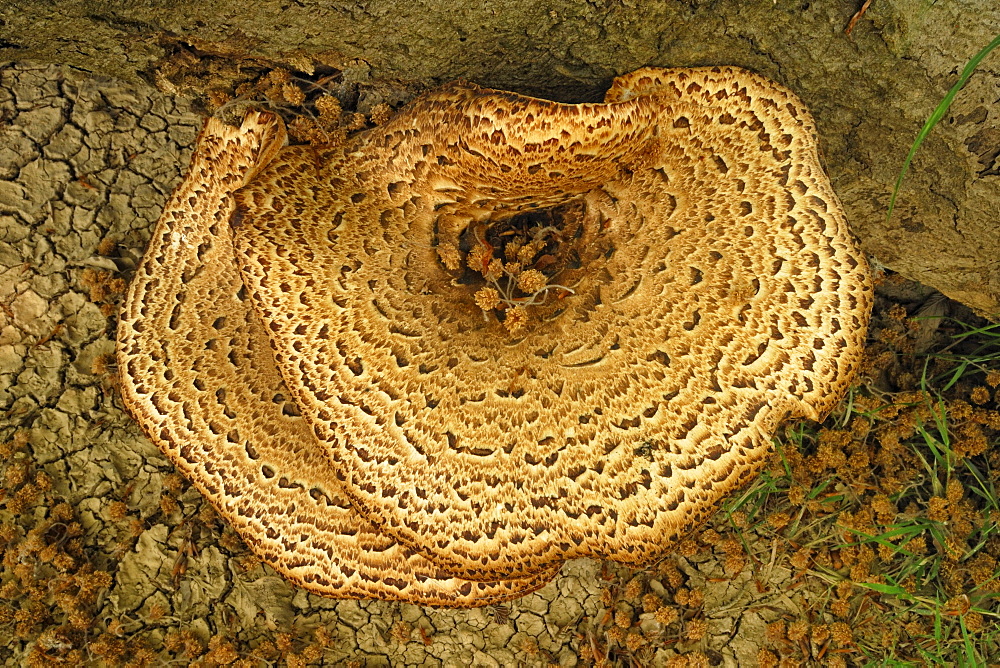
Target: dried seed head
{"type": "Point", "coordinates": [667, 615]}
{"type": "Point", "coordinates": [841, 607]}
{"type": "Point", "coordinates": [937, 509]}
{"type": "Point", "coordinates": [530, 647]}
{"type": "Point", "coordinates": [305, 129]}
{"type": "Point", "coordinates": [329, 109]}
{"type": "Point", "coordinates": [479, 258]}
{"type": "Point", "coordinates": [103, 364]}
{"type": "Point", "coordinates": [633, 589]}
{"type": "Point", "coordinates": [766, 659]}
{"type": "Point", "coordinates": [495, 270]}
{"type": "Point", "coordinates": [168, 504]}
{"type": "Point", "coordinates": [802, 558]}
{"type": "Point", "coordinates": [696, 629]}
{"type": "Point", "coordinates": [355, 121]}
{"type": "Point", "coordinates": [687, 548]}
{"type": "Point", "coordinates": [293, 94]}
{"type": "Point", "coordinates": [531, 281]}
{"type": "Point", "coordinates": [450, 256]}
{"type": "Point", "coordinates": [527, 253]}
{"type": "Point", "coordinates": [221, 651]}
{"type": "Point", "coordinates": [156, 612]}
{"type": "Point", "coordinates": [798, 629]}
{"type": "Point", "coordinates": [616, 634]}
{"type": "Point", "coordinates": [487, 298]}
{"type": "Point", "coordinates": [634, 640]}
{"type": "Point", "coordinates": [516, 319]}
{"type": "Point", "coordinates": [217, 98]}
{"type": "Point", "coordinates": [278, 75]}
{"type": "Point", "coordinates": [731, 546]}
{"type": "Point", "coordinates": [841, 633]}
{"type": "Point", "coordinates": [117, 511]}
{"type": "Point", "coordinates": [672, 574]}
{"type": "Point", "coordinates": [710, 537]}
{"type": "Point", "coordinates": [734, 565]}
{"type": "Point", "coordinates": [775, 631]}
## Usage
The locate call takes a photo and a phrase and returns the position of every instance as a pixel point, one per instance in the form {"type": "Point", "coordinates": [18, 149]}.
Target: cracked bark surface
{"type": "Point", "coordinates": [85, 160]}
{"type": "Point", "coordinates": [870, 91]}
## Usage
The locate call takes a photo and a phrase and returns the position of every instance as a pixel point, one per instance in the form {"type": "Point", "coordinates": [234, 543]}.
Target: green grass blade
{"type": "Point", "coordinates": [971, 658]}
{"type": "Point", "coordinates": [936, 116]}
{"type": "Point", "coordinates": [892, 590]}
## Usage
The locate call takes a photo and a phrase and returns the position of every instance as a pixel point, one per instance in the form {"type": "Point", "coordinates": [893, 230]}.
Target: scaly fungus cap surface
{"type": "Point", "coordinates": [199, 376]}
{"type": "Point", "coordinates": [711, 289]}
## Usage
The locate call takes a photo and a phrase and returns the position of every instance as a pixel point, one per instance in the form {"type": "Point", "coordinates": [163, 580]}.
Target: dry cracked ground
{"type": "Point", "coordinates": [110, 557]}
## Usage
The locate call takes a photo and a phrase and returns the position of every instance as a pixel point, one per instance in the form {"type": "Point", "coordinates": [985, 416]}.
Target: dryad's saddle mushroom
{"type": "Point", "coordinates": [199, 376]}
{"type": "Point", "coordinates": [509, 332]}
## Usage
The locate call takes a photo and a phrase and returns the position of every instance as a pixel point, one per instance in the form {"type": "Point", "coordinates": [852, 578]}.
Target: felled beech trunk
{"type": "Point", "coordinates": [870, 90]}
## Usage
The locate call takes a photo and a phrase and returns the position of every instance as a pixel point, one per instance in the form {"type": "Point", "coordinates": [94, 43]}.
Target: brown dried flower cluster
{"type": "Point", "coordinates": [515, 280]}
{"type": "Point", "coordinates": [48, 587]}
{"type": "Point", "coordinates": [663, 596]}
{"type": "Point", "coordinates": [313, 112]}
{"type": "Point", "coordinates": [104, 288]}
{"type": "Point", "coordinates": [867, 469]}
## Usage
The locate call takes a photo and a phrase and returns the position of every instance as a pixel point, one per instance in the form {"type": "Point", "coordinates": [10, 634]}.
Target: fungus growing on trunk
{"type": "Point", "coordinates": [199, 377]}
{"type": "Point", "coordinates": [520, 331]}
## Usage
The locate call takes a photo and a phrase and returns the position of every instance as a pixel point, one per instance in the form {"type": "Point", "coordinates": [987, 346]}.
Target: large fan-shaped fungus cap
{"type": "Point", "coordinates": [710, 288]}
{"type": "Point", "coordinates": [199, 376]}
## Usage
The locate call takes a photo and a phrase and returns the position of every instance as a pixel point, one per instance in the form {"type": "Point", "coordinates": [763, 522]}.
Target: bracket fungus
{"type": "Point", "coordinates": [199, 376]}
{"type": "Point", "coordinates": [519, 331]}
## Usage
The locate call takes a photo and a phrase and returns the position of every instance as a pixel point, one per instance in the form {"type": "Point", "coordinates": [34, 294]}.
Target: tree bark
{"type": "Point", "coordinates": [870, 91]}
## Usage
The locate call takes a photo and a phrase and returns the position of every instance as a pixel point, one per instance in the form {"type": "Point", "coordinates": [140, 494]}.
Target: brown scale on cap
{"type": "Point", "coordinates": [199, 376]}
